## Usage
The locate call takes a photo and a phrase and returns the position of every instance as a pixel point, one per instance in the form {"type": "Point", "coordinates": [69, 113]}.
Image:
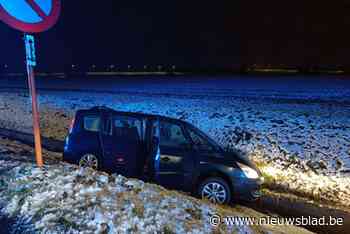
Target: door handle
{"type": "Point", "coordinates": [165, 159]}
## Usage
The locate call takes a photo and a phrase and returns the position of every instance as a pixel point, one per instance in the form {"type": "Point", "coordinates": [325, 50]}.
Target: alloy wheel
{"type": "Point", "coordinates": [214, 192]}
{"type": "Point", "coordinates": [89, 160]}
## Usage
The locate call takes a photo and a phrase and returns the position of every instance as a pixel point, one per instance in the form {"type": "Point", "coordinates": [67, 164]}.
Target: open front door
{"type": "Point", "coordinates": [171, 147]}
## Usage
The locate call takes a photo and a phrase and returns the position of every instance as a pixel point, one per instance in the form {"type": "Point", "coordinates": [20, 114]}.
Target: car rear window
{"type": "Point", "coordinates": [92, 123]}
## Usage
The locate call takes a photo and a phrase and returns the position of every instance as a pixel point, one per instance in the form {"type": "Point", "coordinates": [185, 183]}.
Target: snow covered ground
{"type": "Point", "coordinates": [302, 146]}
{"type": "Point", "coordinates": [62, 198]}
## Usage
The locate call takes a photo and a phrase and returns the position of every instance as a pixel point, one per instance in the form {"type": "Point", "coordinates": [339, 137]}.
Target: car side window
{"type": "Point", "coordinates": [200, 143]}
{"type": "Point", "coordinates": [171, 135]}
{"type": "Point", "coordinates": [128, 127]}
{"type": "Point", "coordinates": [92, 123]}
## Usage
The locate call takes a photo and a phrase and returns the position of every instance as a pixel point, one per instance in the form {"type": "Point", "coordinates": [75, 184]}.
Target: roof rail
{"type": "Point", "coordinates": [102, 108]}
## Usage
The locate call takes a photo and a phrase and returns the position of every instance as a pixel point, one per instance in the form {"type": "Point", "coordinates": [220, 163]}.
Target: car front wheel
{"type": "Point", "coordinates": [215, 190]}
{"type": "Point", "coordinates": [89, 160]}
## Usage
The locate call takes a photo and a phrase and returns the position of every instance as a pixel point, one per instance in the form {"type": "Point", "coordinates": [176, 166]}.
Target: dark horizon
{"type": "Point", "coordinates": [221, 36]}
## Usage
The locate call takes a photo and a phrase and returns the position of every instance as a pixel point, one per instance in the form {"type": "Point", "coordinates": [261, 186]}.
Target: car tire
{"type": "Point", "coordinates": [215, 190]}
{"type": "Point", "coordinates": [89, 160]}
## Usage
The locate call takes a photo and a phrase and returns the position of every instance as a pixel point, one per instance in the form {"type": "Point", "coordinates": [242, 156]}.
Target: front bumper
{"type": "Point", "coordinates": [249, 190]}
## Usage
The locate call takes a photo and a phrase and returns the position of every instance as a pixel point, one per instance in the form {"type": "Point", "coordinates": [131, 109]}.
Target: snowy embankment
{"type": "Point", "coordinates": [301, 147]}
{"type": "Point", "coordinates": [62, 198]}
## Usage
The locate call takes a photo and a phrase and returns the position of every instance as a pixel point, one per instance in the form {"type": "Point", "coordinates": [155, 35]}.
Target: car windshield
{"type": "Point", "coordinates": [197, 133]}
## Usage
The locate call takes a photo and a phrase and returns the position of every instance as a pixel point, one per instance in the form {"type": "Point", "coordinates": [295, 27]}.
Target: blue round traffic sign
{"type": "Point", "coordinates": [30, 16]}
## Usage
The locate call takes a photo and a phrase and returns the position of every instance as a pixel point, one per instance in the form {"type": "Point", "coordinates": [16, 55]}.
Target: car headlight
{"type": "Point", "coordinates": [248, 171]}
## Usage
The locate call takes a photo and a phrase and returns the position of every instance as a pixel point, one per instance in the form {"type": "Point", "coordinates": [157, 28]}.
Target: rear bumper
{"type": "Point", "coordinates": [69, 157]}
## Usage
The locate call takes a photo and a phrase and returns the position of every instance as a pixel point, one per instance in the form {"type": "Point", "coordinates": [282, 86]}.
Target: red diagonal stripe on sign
{"type": "Point", "coordinates": [36, 8]}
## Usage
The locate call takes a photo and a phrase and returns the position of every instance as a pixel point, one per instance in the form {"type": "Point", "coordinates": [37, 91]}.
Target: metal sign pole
{"type": "Point", "coordinates": [31, 62]}
{"type": "Point", "coordinates": [23, 16]}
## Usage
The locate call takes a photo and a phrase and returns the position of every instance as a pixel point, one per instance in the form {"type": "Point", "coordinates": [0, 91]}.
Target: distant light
{"type": "Point", "coordinates": [73, 66]}
{"type": "Point", "coordinates": [145, 67]}
{"type": "Point", "coordinates": [93, 66]}
{"type": "Point", "coordinates": [6, 66]}
{"type": "Point", "coordinates": [129, 66]}
{"type": "Point", "coordinates": [173, 67]}
{"type": "Point", "coordinates": [112, 66]}
{"type": "Point", "coordinates": [160, 67]}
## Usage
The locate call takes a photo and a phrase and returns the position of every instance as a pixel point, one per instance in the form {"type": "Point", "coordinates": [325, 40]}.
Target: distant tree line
{"type": "Point", "coordinates": [76, 69]}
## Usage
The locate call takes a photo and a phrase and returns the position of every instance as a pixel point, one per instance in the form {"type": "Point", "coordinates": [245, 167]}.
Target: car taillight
{"type": "Point", "coordinates": [120, 160]}
{"type": "Point", "coordinates": [71, 125]}
{"type": "Point", "coordinates": [66, 143]}
{"type": "Point", "coordinates": [145, 168]}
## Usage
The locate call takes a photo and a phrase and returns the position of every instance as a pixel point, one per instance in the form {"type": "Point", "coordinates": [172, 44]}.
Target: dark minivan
{"type": "Point", "coordinates": [169, 152]}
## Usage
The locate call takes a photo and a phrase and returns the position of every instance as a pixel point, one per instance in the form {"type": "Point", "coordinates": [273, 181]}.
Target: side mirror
{"type": "Point", "coordinates": [227, 148]}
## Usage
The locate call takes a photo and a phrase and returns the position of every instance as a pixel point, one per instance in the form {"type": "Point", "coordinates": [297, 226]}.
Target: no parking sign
{"type": "Point", "coordinates": [31, 16]}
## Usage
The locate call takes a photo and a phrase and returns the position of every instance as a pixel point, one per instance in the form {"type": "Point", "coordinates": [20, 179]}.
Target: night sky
{"type": "Point", "coordinates": [189, 34]}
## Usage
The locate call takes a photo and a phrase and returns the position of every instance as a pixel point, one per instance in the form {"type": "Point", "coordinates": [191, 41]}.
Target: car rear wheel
{"type": "Point", "coordinates": [89, 160]}
{"type": "Point", "coordinates": [215, 190]}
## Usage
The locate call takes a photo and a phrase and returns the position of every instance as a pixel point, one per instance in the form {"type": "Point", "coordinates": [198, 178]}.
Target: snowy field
{"type": "Point", "coordinates": [310, 88]}
{"type": "Point", "coordinates": [298, 133]}
{"type": "Point", "coordinates": [62, 198]}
